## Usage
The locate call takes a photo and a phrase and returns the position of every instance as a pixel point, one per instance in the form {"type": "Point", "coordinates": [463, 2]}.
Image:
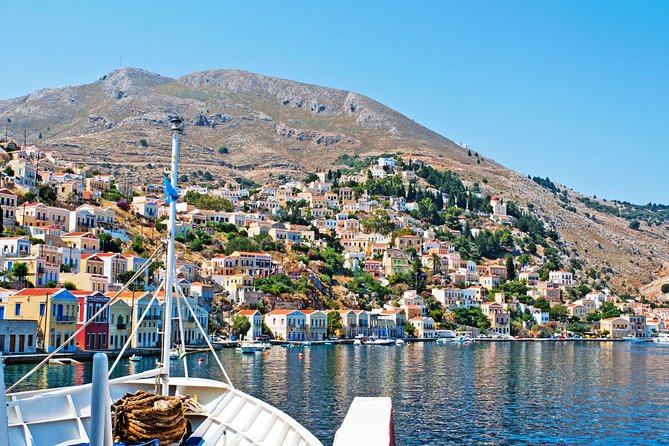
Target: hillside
{"type": "Point", "coordinates": [273, 126]}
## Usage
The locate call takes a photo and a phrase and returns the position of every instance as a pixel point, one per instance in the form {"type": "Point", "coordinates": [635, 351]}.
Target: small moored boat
{"type": "Point", "coordinates": [662, 338]}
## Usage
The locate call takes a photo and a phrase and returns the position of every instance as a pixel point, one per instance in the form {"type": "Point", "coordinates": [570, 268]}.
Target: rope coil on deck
{"type": "Point", "coordinates": [145, 416]}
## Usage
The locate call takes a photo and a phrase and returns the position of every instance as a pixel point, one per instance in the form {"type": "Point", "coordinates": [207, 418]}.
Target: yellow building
{"type": "Point", "coordinates": [128, 312]}
{"type": "Point", "coordinates": [56, 311]}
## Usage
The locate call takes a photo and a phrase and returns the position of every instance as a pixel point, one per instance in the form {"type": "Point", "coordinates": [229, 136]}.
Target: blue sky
{"type": "Point", "coordinates": [577, 91]}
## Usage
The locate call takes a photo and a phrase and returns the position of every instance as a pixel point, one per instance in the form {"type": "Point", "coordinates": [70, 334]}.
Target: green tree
{"type": "Point", "coordinates": [137, 245]}
{"type": "Point", "coordinates": [241, 325]}
{"type": "Point", "coordinates": [471, 317]}
{"type": "Point", "coordinates": [20, 271]}
{"type": "Point", "coordinates": [223, 150]}
{"type": "Point", "coordinates": [275, 284]}
{"type": "Point", "coordinates": [52, 284]}
{"type": "Point", "coordinates": [510, 268]}
{"type": "Point", "coordinates": [635, 224]}
{"type": "Point", "coordinates": [241, 243]}
{"type": "Point", "coordinates": [334, 323]}
{"type": "Point", "coordinates": [542, 304]}
{"type": "Point", "coordinates": [209, 202]}
{"type": "Point", "coordinates": [609, 310]}
{"type": "Point", "coordinates": [69, 286]}
{"type": "Point", "coordinates": [47, 194]}
{"type": "Point", "coordinates": [410, 330]}
{"type": "Point", "coordinates": [558, 313]}
{"type": "Point", "coordinates": [665, 288]}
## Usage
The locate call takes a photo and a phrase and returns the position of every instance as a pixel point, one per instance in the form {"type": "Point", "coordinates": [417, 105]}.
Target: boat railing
{"type": "Point", "coordinates": [36, 394]}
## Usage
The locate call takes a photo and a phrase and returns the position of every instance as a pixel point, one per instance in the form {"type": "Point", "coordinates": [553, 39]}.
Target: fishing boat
{"type": "Point", "coordinates": [135, 358]}
{"type": "Point", "coordinates": [82, 414]}
{"type": "Point", "coordinates": [662, 338]}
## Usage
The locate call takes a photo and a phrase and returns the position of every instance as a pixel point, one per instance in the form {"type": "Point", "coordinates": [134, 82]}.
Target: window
{"type": "Point", "coordinates": [42, 308]}
{"type": "Point", "coordinates": [17, 309]}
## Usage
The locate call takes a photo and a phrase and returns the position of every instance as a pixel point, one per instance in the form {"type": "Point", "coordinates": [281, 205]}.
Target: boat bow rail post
{"type": "Point", "coordinates": [101, 431]}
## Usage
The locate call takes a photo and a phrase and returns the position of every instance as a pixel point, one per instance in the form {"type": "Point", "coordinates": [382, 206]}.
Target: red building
{"type": "Point", "coordinates": [96, 334]}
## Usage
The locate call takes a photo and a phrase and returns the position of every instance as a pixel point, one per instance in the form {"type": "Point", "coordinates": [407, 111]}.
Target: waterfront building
{"type": "Point", "coordinates": [498, 317]}
{"type": "Point", "coordinates": [317, 324]}
{"type": "Point", "coordinates": [147, 334]}
{"type": "Point", "coordinates": [255, 319]}
{"type": "Point", "coordinates": [636, 325]}
{"type": "Point", "coordinates": [391, 323]}
{"type": "Point", "coordinates": [616, 326]}
{"type": "Point", "coordinates": [120, 317]}
{"type": "Point", "coordinates": [349, 322]}
{"type": "Point", "coordinates": [17, 336]}
{"type": "Point", "coordinates": [287, 325]}
{"type": "Point", "coordinates": [96, 334]}
{"type": "Point", "coordinates": [56, 311]}
{"type": "Point", "coordinates": [424, 326]}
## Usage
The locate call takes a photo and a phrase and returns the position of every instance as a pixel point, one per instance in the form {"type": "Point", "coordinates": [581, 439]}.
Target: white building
{"type": "Point", "coordinates": [255, 318]}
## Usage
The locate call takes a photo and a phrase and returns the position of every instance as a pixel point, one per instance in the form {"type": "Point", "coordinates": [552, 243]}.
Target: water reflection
{"type": "Point", "coordinates": [488, 393]}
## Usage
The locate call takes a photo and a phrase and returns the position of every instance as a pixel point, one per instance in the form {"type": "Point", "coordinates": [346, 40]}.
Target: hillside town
{"type": "Point", "coordinates": [382, 247]}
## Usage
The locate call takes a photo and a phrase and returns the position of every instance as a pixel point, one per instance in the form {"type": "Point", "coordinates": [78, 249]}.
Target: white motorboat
{"type": "Point", "coordinates": [226, 416]}
{"type": "Point", "coordinates": [379, 341]}
{"type": "Point", "coordinates": [357, 342]}
{"type": "Point", "coordinates": [399, 342]}
{"type": "Point", "coordinates": [252, 347]}
{"type": "Point", "coordinates": [135, 358]}
{"type": "Point", "coordinates": [662, 338]}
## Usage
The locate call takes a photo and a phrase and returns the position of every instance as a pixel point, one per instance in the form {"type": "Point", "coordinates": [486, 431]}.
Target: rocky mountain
{"type": "Point", "coordinates": [274, 126]}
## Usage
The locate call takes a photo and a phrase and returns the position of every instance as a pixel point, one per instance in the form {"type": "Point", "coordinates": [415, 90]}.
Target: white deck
{"type": "Point", "coordinates": [62, 416]}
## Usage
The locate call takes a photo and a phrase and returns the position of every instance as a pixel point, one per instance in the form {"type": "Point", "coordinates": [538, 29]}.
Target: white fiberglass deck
{"type": "Point", "coordinates": [62, 416]}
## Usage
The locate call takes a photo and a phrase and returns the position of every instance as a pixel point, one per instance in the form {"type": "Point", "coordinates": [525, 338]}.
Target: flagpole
{"type": "Point", "coordinates": [171, 196]}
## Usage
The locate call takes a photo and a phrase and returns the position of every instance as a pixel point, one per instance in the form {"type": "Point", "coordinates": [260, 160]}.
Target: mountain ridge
{"type": "Point", "coordinates": [273, 126]}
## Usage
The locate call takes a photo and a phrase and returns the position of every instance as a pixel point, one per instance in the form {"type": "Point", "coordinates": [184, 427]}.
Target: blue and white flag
{"type": "Point", "coordinates": [170, 194]}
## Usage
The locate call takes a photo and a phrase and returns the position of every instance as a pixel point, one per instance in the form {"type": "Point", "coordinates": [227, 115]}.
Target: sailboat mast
{"type": "Point", "coordinates": [170, 280]}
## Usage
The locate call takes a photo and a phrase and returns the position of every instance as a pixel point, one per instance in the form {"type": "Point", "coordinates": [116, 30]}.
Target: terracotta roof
{"type": "Point", "coordinates": [307, 312]}
{"type": "Point", "coordinates": [282, 311]}
{"type": "Point", "coordinates": [247, 312]}
{"type": "Point", "coordinates": [127, 294]}
{"type": "Point", "coordinates": [37, 291]}
{"type": "Point", "coordinates": [390, 312]}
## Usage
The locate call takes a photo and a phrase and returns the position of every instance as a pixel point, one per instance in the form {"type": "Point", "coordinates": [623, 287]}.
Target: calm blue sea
{"type": "Point", "coordinates": [479, 393]}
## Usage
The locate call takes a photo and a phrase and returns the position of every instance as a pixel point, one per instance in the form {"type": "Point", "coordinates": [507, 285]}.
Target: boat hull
{"type": "Point", "coordinates": [62, 416]}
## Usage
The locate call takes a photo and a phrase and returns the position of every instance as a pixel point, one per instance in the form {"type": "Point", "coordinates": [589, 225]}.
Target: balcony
{"type": "Point", "coordinates": [66, 318]}
{"type": "Point", "coordinates": [121, 326]}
